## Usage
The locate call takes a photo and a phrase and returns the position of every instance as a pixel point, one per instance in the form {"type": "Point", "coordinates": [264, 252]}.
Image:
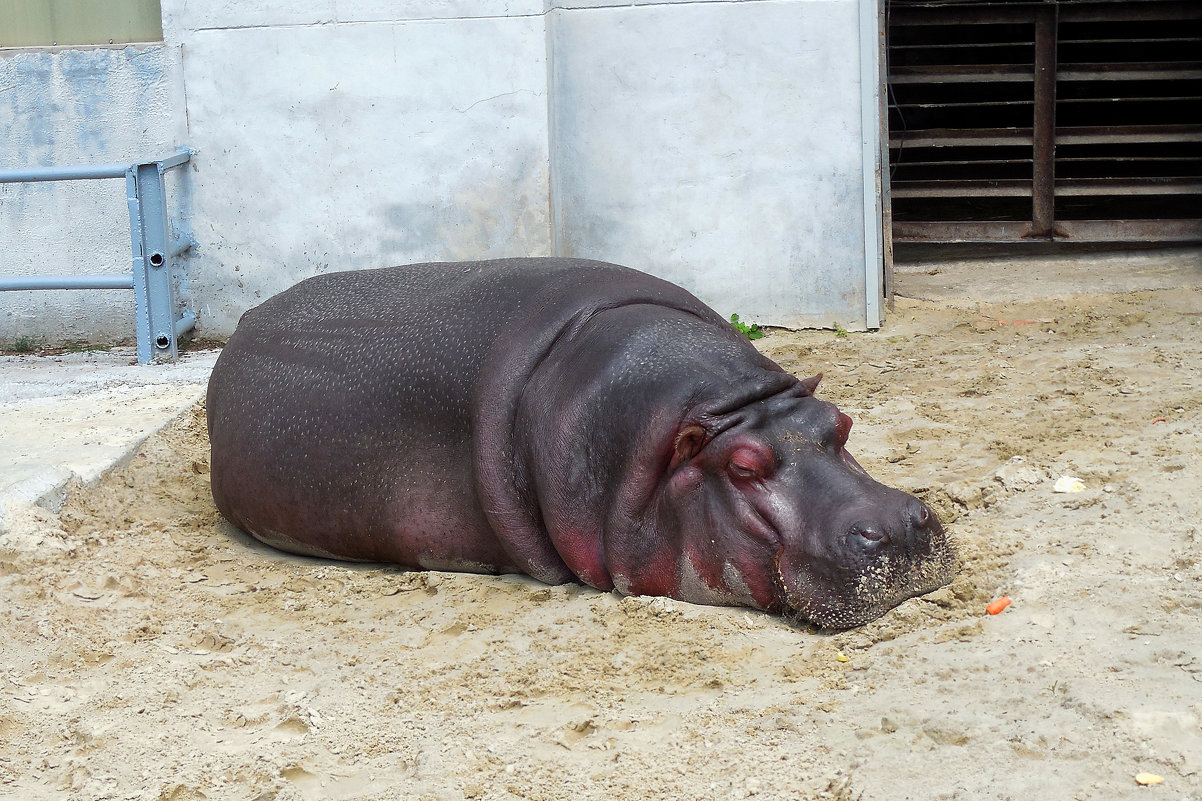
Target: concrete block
{"type": "Point", "coordinates": [718, 145]}
{"type": "Point", "coordinates": [355, 146]}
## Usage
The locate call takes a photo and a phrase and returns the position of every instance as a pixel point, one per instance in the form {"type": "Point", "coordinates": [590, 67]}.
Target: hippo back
{"type": "Point", "coordinates": [355, 414]}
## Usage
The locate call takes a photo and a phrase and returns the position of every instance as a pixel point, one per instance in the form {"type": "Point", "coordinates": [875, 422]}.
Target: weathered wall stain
{"type": "Point", "coordinates": [67, 107]}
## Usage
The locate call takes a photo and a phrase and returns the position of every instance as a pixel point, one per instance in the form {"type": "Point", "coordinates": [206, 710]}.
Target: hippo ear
{"type": "Point", "coordinates": [689, 442]}
{"type": "Point", "coordinates": [810, 384]}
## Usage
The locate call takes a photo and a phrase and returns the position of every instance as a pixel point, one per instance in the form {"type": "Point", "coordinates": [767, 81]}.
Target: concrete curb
{"type": "Point", "coordinates": [74, 417]}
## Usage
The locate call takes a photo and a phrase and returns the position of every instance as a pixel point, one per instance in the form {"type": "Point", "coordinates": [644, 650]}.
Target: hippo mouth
{"type": "Point", "coordinates": [863, 598]}
{"type": "Point", "coordinates": [795, 607]}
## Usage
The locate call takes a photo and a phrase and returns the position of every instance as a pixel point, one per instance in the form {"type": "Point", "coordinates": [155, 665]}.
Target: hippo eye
{"type": "Point", "coordinates": [750, 462]}
{"type": "Point", "coordinates": [740, 470]}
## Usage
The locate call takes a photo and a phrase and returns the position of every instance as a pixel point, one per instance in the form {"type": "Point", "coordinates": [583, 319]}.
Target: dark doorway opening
{"type": "Point", "coordinates": [1069, 121]}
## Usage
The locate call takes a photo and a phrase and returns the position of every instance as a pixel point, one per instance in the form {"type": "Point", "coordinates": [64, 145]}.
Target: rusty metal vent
{"type": "Point", "coordinates": [1071, 120]}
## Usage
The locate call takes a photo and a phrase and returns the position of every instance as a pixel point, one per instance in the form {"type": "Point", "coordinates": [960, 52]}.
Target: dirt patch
{"type": "Point", "coordinates": [152, 652]}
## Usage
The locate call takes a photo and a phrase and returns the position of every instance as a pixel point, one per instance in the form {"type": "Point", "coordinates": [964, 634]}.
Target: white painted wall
{"type": "Point", "coordinates": [718, 144]}
{"type": "Point", "coordinates": [715, 143]}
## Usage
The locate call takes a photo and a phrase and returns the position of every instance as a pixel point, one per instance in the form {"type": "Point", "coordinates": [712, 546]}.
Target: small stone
{"type": "Point", "coordinates": [1016, 475]}
{"type": "Point", "coordinates": [1068, 484]}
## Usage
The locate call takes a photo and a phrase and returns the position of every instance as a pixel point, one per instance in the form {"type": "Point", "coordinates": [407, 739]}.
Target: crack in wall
{"type": "Point", "coordinates": [335, 22]}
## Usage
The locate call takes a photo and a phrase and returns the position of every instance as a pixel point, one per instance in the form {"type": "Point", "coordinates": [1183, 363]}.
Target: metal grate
{"type": "Point", "coordinates": [1068, 120]}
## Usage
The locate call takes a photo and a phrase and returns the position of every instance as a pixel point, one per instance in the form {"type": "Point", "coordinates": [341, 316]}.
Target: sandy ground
{"type": "Point", "coordinates": [149, 651]}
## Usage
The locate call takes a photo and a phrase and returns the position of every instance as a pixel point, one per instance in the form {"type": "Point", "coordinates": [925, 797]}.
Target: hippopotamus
{"type": "Point", "coordinates": [568, 419]}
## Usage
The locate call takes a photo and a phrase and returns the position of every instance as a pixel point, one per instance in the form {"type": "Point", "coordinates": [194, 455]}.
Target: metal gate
{"type": "Point", "coordinates": [1037, 121]}
{"type": "Point", "coordinates": [156, 323]}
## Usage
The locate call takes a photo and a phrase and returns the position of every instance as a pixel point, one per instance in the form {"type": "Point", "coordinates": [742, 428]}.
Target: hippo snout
{"type": "Point", "coordinates": [913, 534]}
{"type": "Point", "coordinates": [891, 550]}
{"type": "Point", "coordinates": [921, 525]}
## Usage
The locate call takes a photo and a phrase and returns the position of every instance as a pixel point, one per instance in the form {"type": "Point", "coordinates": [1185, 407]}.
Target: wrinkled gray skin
{"type": "Point", "coordinates": [568, 419]}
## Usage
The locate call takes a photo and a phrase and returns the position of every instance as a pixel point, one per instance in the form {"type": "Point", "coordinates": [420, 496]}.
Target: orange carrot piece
{"type": "Point", "coordinates": [995, 607]}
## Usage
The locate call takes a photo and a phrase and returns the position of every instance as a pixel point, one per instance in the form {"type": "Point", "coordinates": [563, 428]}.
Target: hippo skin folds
{"type": "Point", "coordinates": [568, 419]}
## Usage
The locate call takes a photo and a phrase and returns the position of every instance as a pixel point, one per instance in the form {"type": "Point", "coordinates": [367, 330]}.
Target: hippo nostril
{"type": "Point", "coordinates": [870, 534]}
{"type": "Point", "coordinates": [919, 522]}
{"type": "Point", "coordinates": [919, 514]}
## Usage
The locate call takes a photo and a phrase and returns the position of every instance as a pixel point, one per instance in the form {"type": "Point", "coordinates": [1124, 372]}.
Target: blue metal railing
{"type": "Point", "coordinates": [152, 280]}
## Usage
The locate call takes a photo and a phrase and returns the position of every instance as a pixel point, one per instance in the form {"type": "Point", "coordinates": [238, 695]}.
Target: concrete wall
{"type": "Point", "coordinates": [69, 107]}
{"type": "Point", "coordinates": [715, 143]}
{"type": "Point", "coordinates": [363, 144]}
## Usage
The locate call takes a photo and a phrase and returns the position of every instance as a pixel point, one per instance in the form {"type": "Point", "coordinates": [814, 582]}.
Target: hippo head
{"type": "Point", "coordinates": [769, 510]}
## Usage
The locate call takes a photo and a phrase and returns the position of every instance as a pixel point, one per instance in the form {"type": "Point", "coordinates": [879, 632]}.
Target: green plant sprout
{"type": "Point", "coordinates": [752, 331]}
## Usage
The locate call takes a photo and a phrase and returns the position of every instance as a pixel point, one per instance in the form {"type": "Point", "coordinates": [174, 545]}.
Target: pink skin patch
{"type": "Point", "coordinates": [583, 557]}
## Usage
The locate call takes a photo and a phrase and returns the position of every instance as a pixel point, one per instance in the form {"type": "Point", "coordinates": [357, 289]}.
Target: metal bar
{"type": "Point", "coordinates": [870, 162]}
{"type": "Point", "coordinates": [151, 262]}
{"type": "Point", "coordinates": [939, 15]}
{"type": "Point", "coordinates": [67, 282]}
{"type": "Point", "coordinates": [36, 174]}
{"type": "Point", "coordinates": [141, 301]}
{"type": "Point", "coordinates": [962, 73]}
{"type": "Point", "coordinates": [970, 231]}
{"type": "Point", "coordinates": [1018, 187]}
{"type": "Point", "coordinates": [1131, 230]}
{"type": "Point", "coordinates": [962, 137]}
{"type": "Point", "coordinates": [967, 103]}
{"type": "Point", "coordinates": [886, 194]}
{"type": "Point", "coordinates": [1066, 230]}
{"type": "Point", "coordinates": [1126, 72]}
{"type": "Point", "coordinates": [85, 172]}
{"type": "Point", "coordinates": [955, 13]}
{"type": "Point", "coordinates": [1131, 12]}
{"type": "Point", "coordinates": [1128, 39]}
{"type": "Point", "coordinates": [979, 162]}
{"type": "Point", "coordinates": [1108, 159]}
{"type": "Point", "coordinates": [182, 156]}
{"type": "Point", "coordinates": [937, 46]}
{"type": "Point", "coordinates": [185, 324]}
{"type": "Point", "coordinates": [1043, 172]}
{"type": "Point", "coordinates": [1107, 134]}
{"type": "Point", "coordinates": [1085, 187]}
{"type": "Point", "coordinates": [1110, 100]}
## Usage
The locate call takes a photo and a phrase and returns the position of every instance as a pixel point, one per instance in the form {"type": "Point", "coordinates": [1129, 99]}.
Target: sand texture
{"type": "Point", "coordinates": [149, 651]}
